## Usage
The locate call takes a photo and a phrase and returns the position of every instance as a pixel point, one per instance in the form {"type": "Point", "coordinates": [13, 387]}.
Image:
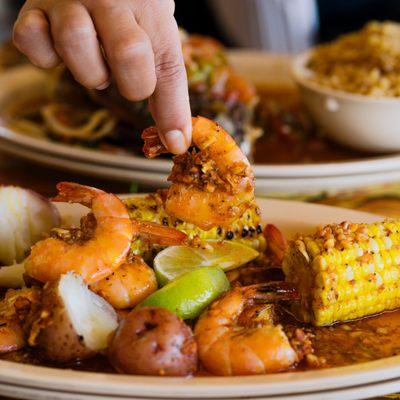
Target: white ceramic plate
{"type": "Point", "coordinates": [362, 380]}
{"type": "Point", "coordinates": [274, 187]}
{"type": "Point", "coordinates": [255, 65]}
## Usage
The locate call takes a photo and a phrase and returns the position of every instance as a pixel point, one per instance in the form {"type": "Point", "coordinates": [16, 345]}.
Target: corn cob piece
{"type": "Point", "coordinates": [345, 271]}
{"type": "Point", "coordinates": [246, 230]}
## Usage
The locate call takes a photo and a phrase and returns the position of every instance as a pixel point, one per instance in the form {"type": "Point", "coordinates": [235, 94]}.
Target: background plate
{"type": "Point", "coordinates": [276, 187]}
{"type": "Point", "coordinates": [269, 69]}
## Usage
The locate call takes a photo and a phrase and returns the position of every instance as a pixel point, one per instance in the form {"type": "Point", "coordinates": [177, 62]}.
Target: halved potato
{"type": "Point", "coordinates": [74, 323]}
{"type": "Point", "coordinates": [25, 217]}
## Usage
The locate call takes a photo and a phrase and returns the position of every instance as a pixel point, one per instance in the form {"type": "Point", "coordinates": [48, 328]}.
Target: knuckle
{"type": "Point", "coordinates": [169, 70]}
{"type": "Point", "coordinates": [106, 4]}
{"type": "Point", "coordinates": [160, 7]}
{"type": "Point", "coordinates": [27, 27]}
{"type": "Point", "coordinates": [128, 51]}
{"type": "Point", "coordinates": [71, 33]}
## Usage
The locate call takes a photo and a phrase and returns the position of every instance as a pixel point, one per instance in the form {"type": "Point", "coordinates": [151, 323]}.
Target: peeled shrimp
{"type": "Point", "coordinates": [128, 285]}
{"type": "Point", "coordinates": [229, 345]}
{"type": "Point", "coordinates": [135, 280]}
{"type": "Point", "coordinates": [210, 187]}
{"type": "Point", "coordinates": [95, 258]}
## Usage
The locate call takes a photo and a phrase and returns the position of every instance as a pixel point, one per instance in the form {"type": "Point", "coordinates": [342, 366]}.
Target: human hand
{"type": "Point", "coordinates": [137, 41]}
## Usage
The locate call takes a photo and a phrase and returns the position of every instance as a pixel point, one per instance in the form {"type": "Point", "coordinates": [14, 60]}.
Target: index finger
{"type": "Point", "coordinates": [169, 103]}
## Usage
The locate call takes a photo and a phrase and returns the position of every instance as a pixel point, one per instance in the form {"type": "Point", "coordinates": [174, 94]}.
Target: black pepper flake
{"type": "Point", "coordinates": [259, 228]}
{"type": "Point", "coordinates": [219, 230]}
{"type": "Point", "coordinates": [229, 235]}
{"type": "Point", "coordinates": [165, 221]}
{"type": "Point", "coordinates": [245, 232]}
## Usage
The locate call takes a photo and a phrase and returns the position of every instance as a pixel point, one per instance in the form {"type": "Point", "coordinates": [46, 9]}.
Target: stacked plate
{"type": "Point", "coordinates": [277, 180]}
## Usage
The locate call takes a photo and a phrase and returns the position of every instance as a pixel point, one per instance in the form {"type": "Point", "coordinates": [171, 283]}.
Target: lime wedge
{"type": "Point", "coordinates": [188, 295]}
{"type": "Point", "coordinates": [175, 261]}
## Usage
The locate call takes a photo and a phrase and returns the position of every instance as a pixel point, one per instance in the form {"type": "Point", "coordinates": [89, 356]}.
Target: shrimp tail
{"type": "Point", "coordinates": [272, 292]}
{"type": "Point", "coordinates": [276, 241]}
{"type": "Point", "coordinates": [70, 192]}
{"type": "Point", "coordinates": [158, 234]}
{"type": "Point", "coordinates": [153, 146]}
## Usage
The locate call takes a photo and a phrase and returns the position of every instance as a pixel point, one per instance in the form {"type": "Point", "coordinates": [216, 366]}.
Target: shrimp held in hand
{"type": "Point", "coordinates": [94, 258]}
{"type": "Point", "coordinates": [229, 345]}
{"type": "Point", "coordinates": [213, 184]}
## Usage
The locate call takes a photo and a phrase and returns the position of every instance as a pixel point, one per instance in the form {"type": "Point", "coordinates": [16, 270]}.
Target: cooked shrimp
{"type": "Point", "coordinates": [135, 280]}
{"type": "Point", "coordinates": [95, 258]}
{"type": "Point", "coordinates": [211, 186]}
{"type": "Point", "coordinates": [276, 242]}
{"type": "Point", "coordinates": [128, 285]}
{"type": "Point", "coordinates": [229, 345]}
{"type": "Point", "coordinates": [15, 310]}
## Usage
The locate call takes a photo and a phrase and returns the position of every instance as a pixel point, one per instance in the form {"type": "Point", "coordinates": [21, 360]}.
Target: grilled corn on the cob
{"type": "Point", "coordinates": [246, 230]}
{"type": "Point", "coordinates": [346, 271]}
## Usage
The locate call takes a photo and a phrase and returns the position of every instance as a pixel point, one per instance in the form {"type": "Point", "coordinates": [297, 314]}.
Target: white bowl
{"type": "Point", "coordinates": [358, 121]}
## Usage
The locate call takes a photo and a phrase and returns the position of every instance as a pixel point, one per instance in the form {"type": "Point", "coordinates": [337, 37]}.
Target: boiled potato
{"type": "Point", "coordinates": [25, 217]}
{"type": "Point", "coordinates": [153, 341]}
{"type": "Point", "coordinates": [73, 323]}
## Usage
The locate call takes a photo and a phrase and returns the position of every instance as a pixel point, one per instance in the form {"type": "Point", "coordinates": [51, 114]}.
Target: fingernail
{"type": "Point", "coordinates": [175, 141]}
{"type": "Point", "coordinates": [105, 85]}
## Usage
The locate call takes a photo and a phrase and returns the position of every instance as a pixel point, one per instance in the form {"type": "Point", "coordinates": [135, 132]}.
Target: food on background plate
{"type": "Point", "coordinates": [201, 320]}
{"type": "Point", "coordinates": [365, 62]}
{"type": "Point", "coordinates": [291, 136]}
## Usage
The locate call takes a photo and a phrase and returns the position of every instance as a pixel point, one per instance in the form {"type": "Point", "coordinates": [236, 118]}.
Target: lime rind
{"type": "Point", "coordinates": [175, 261]}
{"type": "Point", "coordinates": [188, 295]}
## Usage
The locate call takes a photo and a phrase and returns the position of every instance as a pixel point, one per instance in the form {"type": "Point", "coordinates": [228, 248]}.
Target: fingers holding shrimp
{"type": "Point", "coordinates": [215, 179]}
{"type": "Point", "coordinates": [142, 49]}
